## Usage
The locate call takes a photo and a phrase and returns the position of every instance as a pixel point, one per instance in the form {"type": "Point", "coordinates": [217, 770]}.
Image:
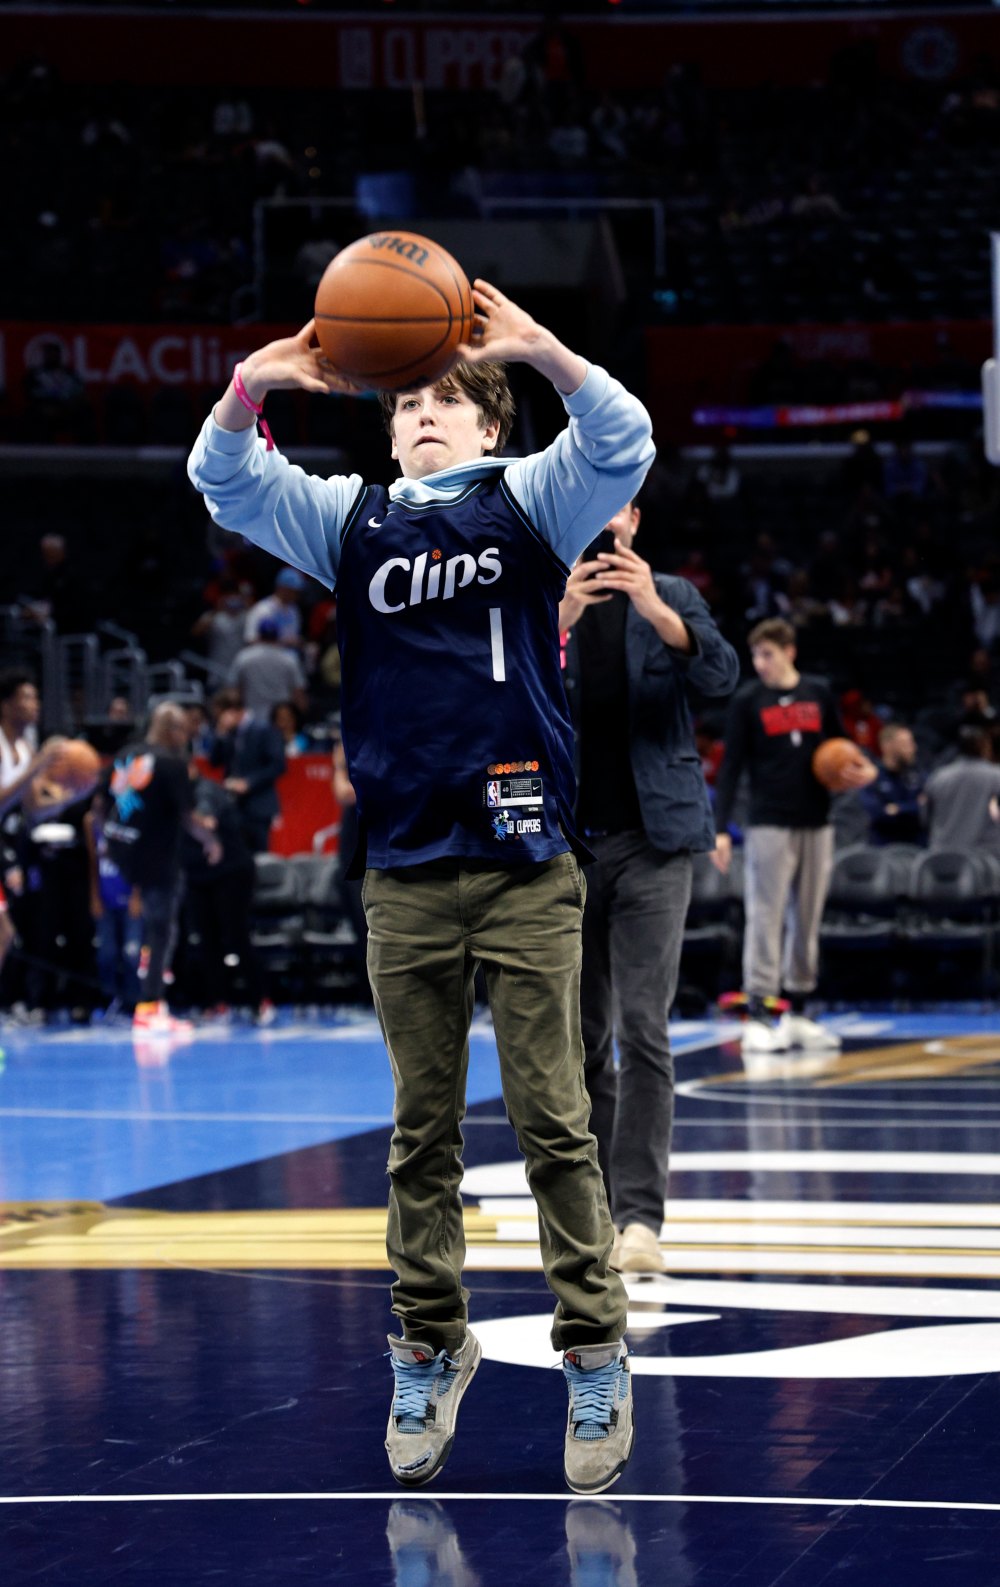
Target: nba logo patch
{"type": "Point", "coordinates": [493, 795]}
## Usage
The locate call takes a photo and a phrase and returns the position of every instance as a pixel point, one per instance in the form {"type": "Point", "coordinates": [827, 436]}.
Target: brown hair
{"type": "Point", "coordinates": [227, 700]}
{"type": "Point", "coordinates": [772, 631]}
{"type": "Point", "coordinates": [485, 383]}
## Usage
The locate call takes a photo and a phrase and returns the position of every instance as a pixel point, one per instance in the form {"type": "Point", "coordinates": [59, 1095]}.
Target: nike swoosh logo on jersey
{"type": "Point", "coordinates": [375, 523]}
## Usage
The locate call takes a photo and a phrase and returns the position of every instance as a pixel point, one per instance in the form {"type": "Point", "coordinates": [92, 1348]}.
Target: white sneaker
{"type": "Point", "coordinates": [155, 1019]}
{"type": "Point", "coordinates": [802, 1032]}
{"type": "Point", "coordinates": [760, 1036]}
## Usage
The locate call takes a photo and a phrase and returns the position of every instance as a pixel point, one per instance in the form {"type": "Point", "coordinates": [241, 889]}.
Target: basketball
{"type": "Point", "coordinates": [77, 766]}
{"type": "Point", "coordinates": [391, 310]}
{"type": "Point", "coordinates": [831, 760]}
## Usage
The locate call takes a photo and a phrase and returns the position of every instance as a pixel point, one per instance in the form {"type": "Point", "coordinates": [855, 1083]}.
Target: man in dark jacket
{"type": "Point", "coordinates": [252, 757]}
{"type": "Point", "coordinates": [637, 643]}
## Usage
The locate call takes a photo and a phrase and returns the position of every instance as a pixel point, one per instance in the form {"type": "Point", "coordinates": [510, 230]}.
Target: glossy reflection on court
{"type": "Point", "coordinates": [193, 1308]}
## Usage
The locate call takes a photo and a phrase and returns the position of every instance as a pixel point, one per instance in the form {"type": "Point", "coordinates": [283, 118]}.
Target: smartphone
{"type": "Point", "coordinates": [605, 541]}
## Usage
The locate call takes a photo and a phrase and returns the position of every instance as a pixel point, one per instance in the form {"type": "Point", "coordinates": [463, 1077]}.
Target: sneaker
{"type": "Point", "coordinates": [802, 1032]}
{"type": "Point", "coordinates": [266, 1014]}
{"type": "Point", "coordinates": [761, 1036]}
{"type": "Point", "coordinates": [637, 1250]}
{"type": "Point", "coordinates": [600, 1545]}
{"type": "Point", "coordinates": [425, 1546]}
{"type": "Point", "coordinates": [425, 1405]}
{"type": "Point", "coordinates": [599, 1427]}
{"type": "Point", "coordinates": [155, 1019]}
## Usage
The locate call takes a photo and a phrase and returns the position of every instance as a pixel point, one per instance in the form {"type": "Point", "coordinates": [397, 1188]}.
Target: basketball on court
{"type": "Point", "coordinates": [77, 766]}
{"type": "Point", "coordinates": [391, 310]}
{"type": "Point", "coordinates": [832, 759]}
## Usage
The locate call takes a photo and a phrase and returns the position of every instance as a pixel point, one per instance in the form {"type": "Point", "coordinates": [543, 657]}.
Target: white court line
{"type": "Point", "coordinates": [137, 1116]}
{"type": "Point", "coordinates": [821, 1100]}
{"type": "Point", "coordinates": [491, 1498]}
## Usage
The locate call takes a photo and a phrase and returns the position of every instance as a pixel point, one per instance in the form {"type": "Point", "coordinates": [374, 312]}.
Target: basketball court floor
{"type": "Point", "coordinates": [193, 1309]}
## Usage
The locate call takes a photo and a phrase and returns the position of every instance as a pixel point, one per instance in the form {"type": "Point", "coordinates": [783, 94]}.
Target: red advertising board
{"type": "Point", "coordinates": [694, 367]}
{"type": "Point", "coordinates": [148, 356]}
{"type": "Point", "coordinates": [310, 815]}
{"type": "Point", "coordinates": [309, 822]}
{"type": "Point", "coordinates": [362, 52]}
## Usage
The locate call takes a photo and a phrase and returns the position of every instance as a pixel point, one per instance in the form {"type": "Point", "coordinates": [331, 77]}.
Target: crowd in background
{"type": "Point", "coordinates": [137, 203]}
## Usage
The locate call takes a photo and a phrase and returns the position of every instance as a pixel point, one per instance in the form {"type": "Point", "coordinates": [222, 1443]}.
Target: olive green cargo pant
{"type": "Point", "coordinates": [428, 927]}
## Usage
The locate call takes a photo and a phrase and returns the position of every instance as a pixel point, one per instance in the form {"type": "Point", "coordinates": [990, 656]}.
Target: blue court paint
{"type": "Point", "coordinates": [89, 1116]}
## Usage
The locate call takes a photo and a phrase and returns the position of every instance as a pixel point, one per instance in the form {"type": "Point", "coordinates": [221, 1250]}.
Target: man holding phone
{"type": "Point", "coordinates": [638, 643]}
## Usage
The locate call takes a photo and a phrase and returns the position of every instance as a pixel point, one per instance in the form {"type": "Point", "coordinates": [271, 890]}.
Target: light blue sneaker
{"type": "Point", "coordinates": [428, 1392]}
{"type": "Point", "coordinates": [600, 1429]}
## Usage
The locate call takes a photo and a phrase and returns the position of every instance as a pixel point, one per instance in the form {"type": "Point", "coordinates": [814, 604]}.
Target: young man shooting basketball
{"type": "Point", "coordinates": [459, 747]}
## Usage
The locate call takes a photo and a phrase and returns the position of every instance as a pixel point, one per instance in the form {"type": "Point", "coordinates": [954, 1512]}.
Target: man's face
{"type": "Point", "coordinates": [228, 720]}
{"type": "Point", "coordinates": [438, 427]}
{"type": "Point", "coordinates": [25, 705]}
{"type": "Point", "coordinates": [901, 749]}
{"type": "Point", "coordinates": [624, 524]}
{"type": "Point", "coordinates": [772, 663]}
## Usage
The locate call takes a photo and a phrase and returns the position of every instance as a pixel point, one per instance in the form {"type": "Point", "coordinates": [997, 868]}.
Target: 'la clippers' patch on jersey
{"type": "Point", "coordinates": [800, 716]}
{"type": "Point", "coordinates": [510, 825]}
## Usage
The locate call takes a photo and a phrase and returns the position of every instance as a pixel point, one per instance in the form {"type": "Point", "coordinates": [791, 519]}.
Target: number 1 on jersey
{"type": "Point", "coordinates": [496, 645]}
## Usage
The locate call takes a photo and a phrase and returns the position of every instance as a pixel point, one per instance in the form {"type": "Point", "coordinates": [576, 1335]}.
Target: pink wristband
{"type": "Point", "coordinates": [252, 407]}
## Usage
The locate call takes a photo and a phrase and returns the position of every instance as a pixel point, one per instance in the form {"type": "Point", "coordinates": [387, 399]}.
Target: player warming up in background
{"type": "Point", "coordinates": [459, 746]}
{"type": "Point", "coordinates": [774, 726]}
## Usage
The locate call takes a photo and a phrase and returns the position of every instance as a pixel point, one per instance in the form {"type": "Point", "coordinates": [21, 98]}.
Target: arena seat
{"type": "Point", "coordinates": [278, 916]}
{"type": "Point", "coordinates": [951, 918]}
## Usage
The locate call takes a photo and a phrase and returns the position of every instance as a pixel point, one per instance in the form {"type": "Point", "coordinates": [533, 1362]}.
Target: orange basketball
{"type": "Point", "coordinates": [77, 766]}
{"type": "Point", "coordinates": [832, 759]}
{"type": "Point", "coordinates": [392, 309]}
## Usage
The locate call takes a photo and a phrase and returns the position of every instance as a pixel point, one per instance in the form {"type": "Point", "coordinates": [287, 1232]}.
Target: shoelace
{"type": "Point", "coordinates": [593, 1398]}
{"type": "Point", "coordinates": [415, 1383]}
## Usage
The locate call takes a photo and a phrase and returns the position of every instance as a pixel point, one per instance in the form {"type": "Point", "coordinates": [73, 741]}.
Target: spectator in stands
{"type": "Point", "coordinates": [984, 595]}
{"type": "Point", "coordinates": [53, 592]}
{"type": "Point", "coordinates": [894, 801]}
{"type": "Point", "coordinates": [56, 407]}
{"type": "Point", "coordinates": [223, 627]}
{"type": "Point", "coordinates": [289, 720]}
{"type": "Point", "coordinates": [266, 673]}
{"type": "Point", "coordinates": [962, 797]}
{"type": "Point", "coordinates": [906, 476]}
{"type": "Point", "coordinates": [798, 605]}
{"type": "Point", "coordinates": [861, 720]}
{"type": "Point", "coordinates": [774, 726]}
{"type": "Point", "coordinates": [977, 709]}
{"type": "Point", "coordinates": [250, 753]}
{"type": "Point", "coordinates": [116, 909]}
{"type": "Point", "coordinates": [766, 574]}
{"type": "Point", "coordinates": [201, 730]}
{"type": "Point", "coordinates": [20, 760]}
{"type": "Point", "coordinates": [719, 477]}
{"type": "Point", "coordinates": [44, 876]}
{"type": "Point", "coordinates": [152, 807]}
{"type": "Point", "coordinates": [282, 609]}
{"type": "Point", "coordinates": [862, 467]}
{"type": "Point", "coordinates": [217, 905]}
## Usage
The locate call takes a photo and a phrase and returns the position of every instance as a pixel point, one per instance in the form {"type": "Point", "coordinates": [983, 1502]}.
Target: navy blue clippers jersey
{"type": "Point", "coordinates": [453, 711]}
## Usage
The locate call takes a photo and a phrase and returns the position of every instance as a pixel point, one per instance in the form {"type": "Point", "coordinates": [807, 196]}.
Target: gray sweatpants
{"type": "Point", "coordinates": [786, 880]}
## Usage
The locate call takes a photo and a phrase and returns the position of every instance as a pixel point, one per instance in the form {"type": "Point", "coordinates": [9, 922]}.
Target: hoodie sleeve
{"type": "Point", "coordinates": [592, 468]}
{"type": "Point", "coordinates": [272, 502]}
